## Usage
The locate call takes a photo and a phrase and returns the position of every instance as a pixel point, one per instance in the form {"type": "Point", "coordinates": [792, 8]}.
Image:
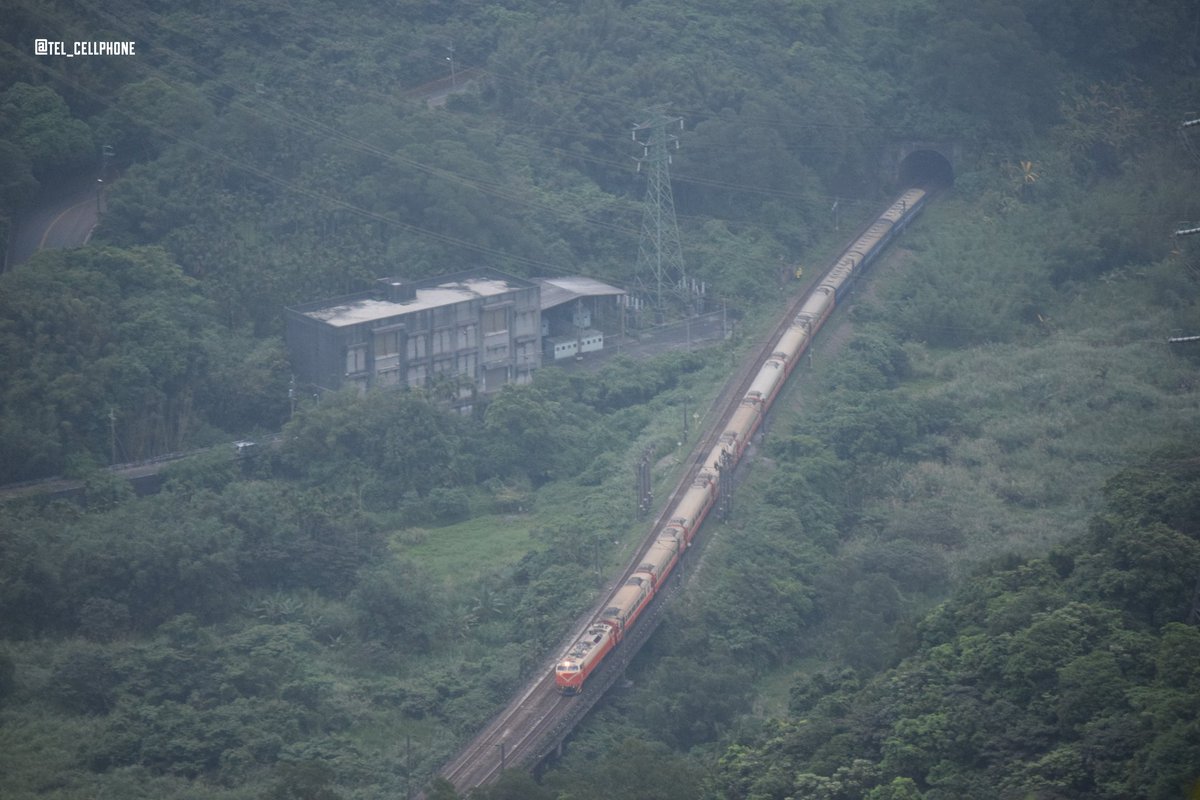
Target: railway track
{"type": "Point", "coordinates": [536, 720]}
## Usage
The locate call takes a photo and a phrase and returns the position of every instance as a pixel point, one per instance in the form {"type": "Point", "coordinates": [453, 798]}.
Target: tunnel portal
{"type": "Point", "coordinates": [925, 166]}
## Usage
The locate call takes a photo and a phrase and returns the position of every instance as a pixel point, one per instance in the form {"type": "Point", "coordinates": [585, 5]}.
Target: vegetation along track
{"type": "Point", "coordinates": [538, 717]}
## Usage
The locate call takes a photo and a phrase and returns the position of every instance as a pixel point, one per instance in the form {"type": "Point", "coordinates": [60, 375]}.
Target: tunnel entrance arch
{"type": "Point", "coordinates": [929, 164]}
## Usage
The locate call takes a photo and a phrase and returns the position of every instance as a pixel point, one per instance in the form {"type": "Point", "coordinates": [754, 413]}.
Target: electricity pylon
{"type": "Point", "coordinates": [660, 256]}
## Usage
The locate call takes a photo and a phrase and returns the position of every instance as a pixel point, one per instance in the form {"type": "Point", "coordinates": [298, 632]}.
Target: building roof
{"type": "Point", "coordinates": [556, 291]}
{"type": "Point", "coordinates": [369, 306]}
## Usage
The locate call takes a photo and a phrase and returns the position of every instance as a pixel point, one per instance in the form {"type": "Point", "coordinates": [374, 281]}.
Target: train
{"type": "Point", "coordinates": [627, 603]}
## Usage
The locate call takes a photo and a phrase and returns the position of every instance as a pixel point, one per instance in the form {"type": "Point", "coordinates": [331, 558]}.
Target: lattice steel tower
{"type": "Point", "coordinates": [660, 257]}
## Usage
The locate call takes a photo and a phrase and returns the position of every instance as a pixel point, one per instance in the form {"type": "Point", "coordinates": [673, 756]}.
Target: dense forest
{"type": "Point", "coordinates": [963, 562]}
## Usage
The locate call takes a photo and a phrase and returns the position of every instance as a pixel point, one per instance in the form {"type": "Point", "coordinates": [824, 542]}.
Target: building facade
{"type": "Point", "coordinates": [469, 332]}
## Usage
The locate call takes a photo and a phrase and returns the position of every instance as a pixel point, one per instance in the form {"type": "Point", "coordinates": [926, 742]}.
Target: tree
{"type": "Point", "coordinates": [16, 182]}
{"type": "Point", "coordinates": [103, 620]}
{"type": "Point", "coordinates": [533, 430]}
{"type": "Point", "coordinates": [514, 784]}
{"type": "Point", "coordinates": [898, 789]}
{"type": "Point", "coordinates": [83, 679]}
{"type": "Point", "coordinates": [441, 789]}
{"type": "Point", "coordinates": [987, 68]}
{"type": "Point", "coordinates": [384, 446]}
{"type": "Point", "coordinates": [293, 537]}
{"type": "Point", "coordinates": [37, 121]}
{"type": "Point", "coordinates": [633, 770]}
{"type": "Point", "coordinates": [1149, 569]}
{"type": "Point", "coordinates": [396, 603]}
{"type": "Point", "coordinates": [308, 780]}
{"type": "Point", "coordinates": [101, 349]}
{"type": "Point", "coordinates": [151, 557]}
{"type": "Point", "coordinates": [148, 114]}
{"type": "Point", "coordinates": [8, 677]}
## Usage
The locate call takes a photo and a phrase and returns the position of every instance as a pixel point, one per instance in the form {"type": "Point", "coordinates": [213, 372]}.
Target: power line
{"type": "Point", "coordinates": [297, 188]}
{"type": "Point", "coordinates": [304, 124]}
{"type": "Point", "coordinates": [702, 113]}
{"type": "Point", "coordinates": [300, 122]}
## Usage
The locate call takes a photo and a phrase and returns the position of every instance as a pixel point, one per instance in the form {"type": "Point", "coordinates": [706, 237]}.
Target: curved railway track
{"type": "Point", "coordinates": [534, 722]}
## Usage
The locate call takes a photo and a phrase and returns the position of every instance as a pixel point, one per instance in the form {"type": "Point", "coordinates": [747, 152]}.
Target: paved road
{"type": "Point", "coordinates": [63, 219]}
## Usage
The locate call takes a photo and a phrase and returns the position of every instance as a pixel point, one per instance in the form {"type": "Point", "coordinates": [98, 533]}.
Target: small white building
{"type": "Point", "coordinates": [591, 341]}
{"type": "Point", "coordinates": [560, 347]}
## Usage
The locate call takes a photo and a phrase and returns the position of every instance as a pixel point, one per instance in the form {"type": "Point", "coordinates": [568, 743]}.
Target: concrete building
{"type": "Point", "coordinates": [475, 331]}
{"type": "Point", "coordinates": [575, 311]}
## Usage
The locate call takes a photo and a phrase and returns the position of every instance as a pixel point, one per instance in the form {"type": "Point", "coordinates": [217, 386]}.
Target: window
{"type": "Point", "coordinates": [356, 359]}
{"type": "Point", "coordinates": [466, 364]}
{"type": "Point", "coordinates": [495, 320]}
{"type": "Point", "coordinates": [443, 341]}
{"type": "Point", "coordinates": [416, 347]}
{"type": "Point", "coordinates": [387, 344]}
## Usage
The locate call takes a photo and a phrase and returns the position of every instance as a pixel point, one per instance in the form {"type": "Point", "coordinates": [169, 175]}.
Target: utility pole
{"type": "Point", "coordinates": [660, 255]}
{"type": "Point", "coordinates": [112, 435]}
{"type": "Point", "coordinates": [577, 318]}
{"type": "Point", "coordinates": [106, 154]}
{"type": "Point", "coordinates": [450, 58]}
